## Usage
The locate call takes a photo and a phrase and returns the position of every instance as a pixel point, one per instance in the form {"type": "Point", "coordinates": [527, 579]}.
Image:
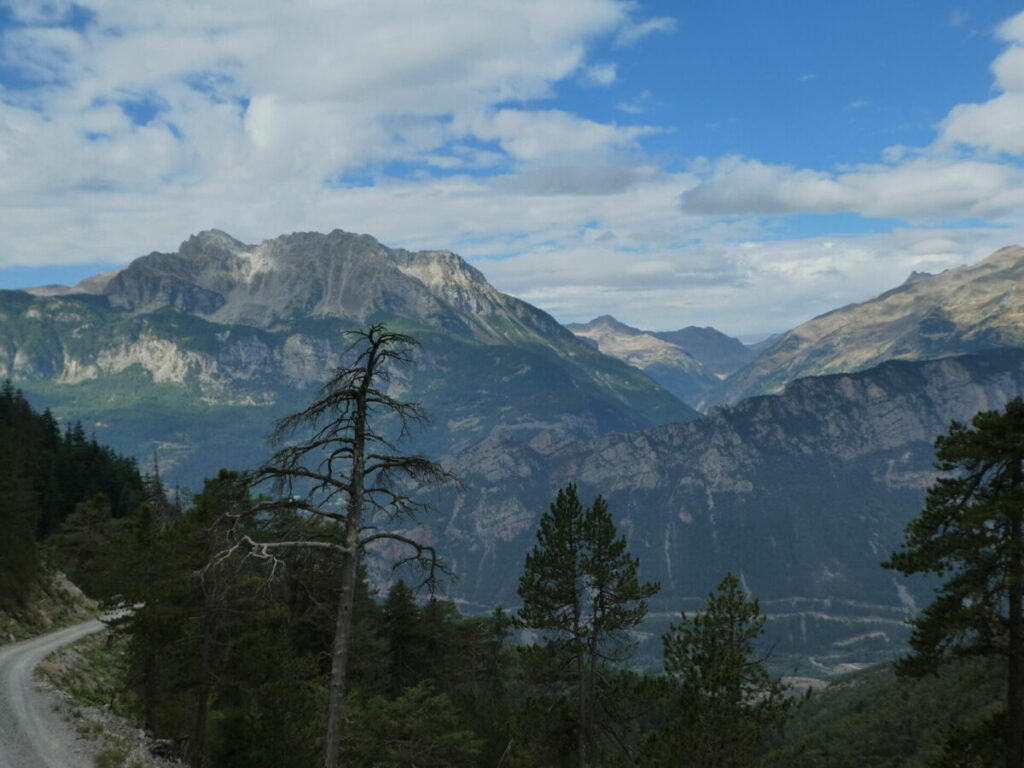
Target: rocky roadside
{"type": "Point", "coordinates": [82, 680]}
{"type": "Point", "coordinates": [52, 603]}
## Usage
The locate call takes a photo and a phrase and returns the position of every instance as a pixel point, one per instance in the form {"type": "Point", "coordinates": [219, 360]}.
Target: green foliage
{"type": "Point", "coordinates": [727, 701]}
{"type": "Point", "coordinates": [43, 476]}
{"type": "Point", "coordinates": [971, 533]}
{"type": "Point", "coordinates": [965, 534]}
{"type": "Point", "coordinates": [83, 545]}
{"type": "Point", "coordinates": [111, 757]}
{"type": "Point", "coordinates": [581, 589]}
{"type": "Point", "coordinates": [416, 728]}
{"type": "Point", "coordinates": [876, 718]}
{"type": "Point", "coordinates": [579, 584]}
{"type": "Point", "coordinates": [91, 670]}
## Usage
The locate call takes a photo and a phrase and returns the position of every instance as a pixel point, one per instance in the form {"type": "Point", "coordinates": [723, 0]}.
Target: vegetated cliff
{"type": "Point", "coordinates": [960, 310]}
{"type": "Point", "coordinates": [802, 494]}
{"type": "Point", "coordinates": [194, 354]}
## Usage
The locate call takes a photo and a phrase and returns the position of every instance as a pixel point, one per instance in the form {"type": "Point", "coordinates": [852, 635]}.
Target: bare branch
{"type": "Point", "coordinates": [423, 555]}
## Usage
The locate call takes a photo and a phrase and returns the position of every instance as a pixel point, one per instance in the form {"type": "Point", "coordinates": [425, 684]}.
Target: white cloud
{"type": "Point", "coordinates": [739, 287]}
{"type": "Point", "coordinates": [601, 74]}
{"type": "Point", "coordinates": [996, 125]}
{"type": "Point", "coordinates": [957, 17]}
{"type": "Point", "coordinates": [265, 118]}
{"type": "Point", "coordinates": [538, 134]}
{"type": "Point", "coordinates": [635, 31]}
{"type": "Point", "coordinates": [919, 188]}
{"type": "Point", "coordinates": [252, 107]}
{"type": "Point", "coordinates": [959, 176]}
{"type": "Point", "coordinates": [40, 11]}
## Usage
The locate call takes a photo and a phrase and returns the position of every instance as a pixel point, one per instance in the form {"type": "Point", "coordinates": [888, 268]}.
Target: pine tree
{"type": "Point", "coordinates": [401, 622]}
{"type": "Point", "coordinates": [727, 701]}
{"type": "Point", "coordinates": [580, 587]}
{"type": "Point", "coordinates": [19, 516]}
{"type": "Point", "coordinates": [83, 542]}
{"type": "Point", "coordinates": [971, 531]}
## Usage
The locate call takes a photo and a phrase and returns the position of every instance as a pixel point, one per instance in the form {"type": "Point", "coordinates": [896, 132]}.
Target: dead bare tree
{"type": "Point", "coordinates": [336, 464]}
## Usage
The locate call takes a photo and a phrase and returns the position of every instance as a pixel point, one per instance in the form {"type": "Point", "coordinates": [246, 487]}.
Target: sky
{"type": "Point", "coordinates": [736, 163]}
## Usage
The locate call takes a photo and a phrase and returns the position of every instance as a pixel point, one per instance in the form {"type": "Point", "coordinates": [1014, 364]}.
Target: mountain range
{"type": "Point", "coordinates": [193, 354]}
{"type": "Point", "coordinates": [801, 483]}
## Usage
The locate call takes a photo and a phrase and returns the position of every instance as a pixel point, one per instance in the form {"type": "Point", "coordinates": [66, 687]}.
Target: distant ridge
{"type": "Point", "coordinates": [961, 310]}
{"type": "Point", "coordinates": [687, 362]}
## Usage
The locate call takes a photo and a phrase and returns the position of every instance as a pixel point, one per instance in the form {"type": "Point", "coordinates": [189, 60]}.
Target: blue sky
{"type": "Point", "coordinates": [739, 163]}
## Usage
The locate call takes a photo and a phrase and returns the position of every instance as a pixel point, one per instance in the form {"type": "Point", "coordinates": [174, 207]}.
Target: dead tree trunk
{"type": "Point", "coordinates": [343, 456]}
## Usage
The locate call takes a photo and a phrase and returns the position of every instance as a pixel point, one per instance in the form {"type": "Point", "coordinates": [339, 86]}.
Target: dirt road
{"type": "Point", "coordinates": [32, 733]}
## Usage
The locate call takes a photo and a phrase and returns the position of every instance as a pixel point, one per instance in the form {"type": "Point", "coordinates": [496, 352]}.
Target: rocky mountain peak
{"type": "Point", "coordinates": [339, 274]}
{"type": "Point", "coordinates": [606, 323]}
{"type": "Point", "coordinates": [211, 241]}
{"type": "Point", "coordinates": [663, 361]}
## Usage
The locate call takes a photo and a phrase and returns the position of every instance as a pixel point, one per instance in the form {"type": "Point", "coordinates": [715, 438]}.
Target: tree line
{"type": "Point", "coordinates": [46, 477]}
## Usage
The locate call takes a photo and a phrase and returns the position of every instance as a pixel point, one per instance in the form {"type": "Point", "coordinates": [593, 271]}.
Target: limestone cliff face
{"type": "Point", "coordinates": [960, 310]}
{"type": "Point", "coordinates": [803, 494]}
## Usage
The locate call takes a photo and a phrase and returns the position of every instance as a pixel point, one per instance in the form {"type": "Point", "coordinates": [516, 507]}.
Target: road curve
{"type": "Point", "coordinates": [32, 733]}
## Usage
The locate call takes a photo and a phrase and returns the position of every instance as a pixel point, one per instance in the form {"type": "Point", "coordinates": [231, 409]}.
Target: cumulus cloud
{"type": "Point", "coordinates": [229, 107]}
{"type": "Point", "coordinates": [601, 74]}
{"type": "Point", "coordinates": [919, 188]}
{"type": "Point", "coordinates": [958, 176]}
{"type": "Point", "coordinates": [738, 286]}
{"type": "Point", "coordinates": [428, 127]}
{"type": "Point", "coordinates": [532, 135]}
{"type": "Point", "coordinates": [996, 125]}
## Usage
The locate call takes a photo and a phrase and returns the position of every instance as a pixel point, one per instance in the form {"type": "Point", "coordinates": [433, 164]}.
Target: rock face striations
{"type": "Point", "coordinates": [161, 354]}
{"type": "Point", "coordinates": [960, 310]}
{"type": "Point", "coordinates": [802, 494]}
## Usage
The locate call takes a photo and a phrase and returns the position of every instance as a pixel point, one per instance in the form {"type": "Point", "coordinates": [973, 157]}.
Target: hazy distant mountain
{"type": "Point", "coordinates": [759, 347]}
{"type": "Point", "coordinates": [194, 353]}
{"type": "Point", "coordinates": [960, 310]}
{"type": "Point", "coordinates": [664, 361]}
{"type": "Point", "coordinates": [717, 352]}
